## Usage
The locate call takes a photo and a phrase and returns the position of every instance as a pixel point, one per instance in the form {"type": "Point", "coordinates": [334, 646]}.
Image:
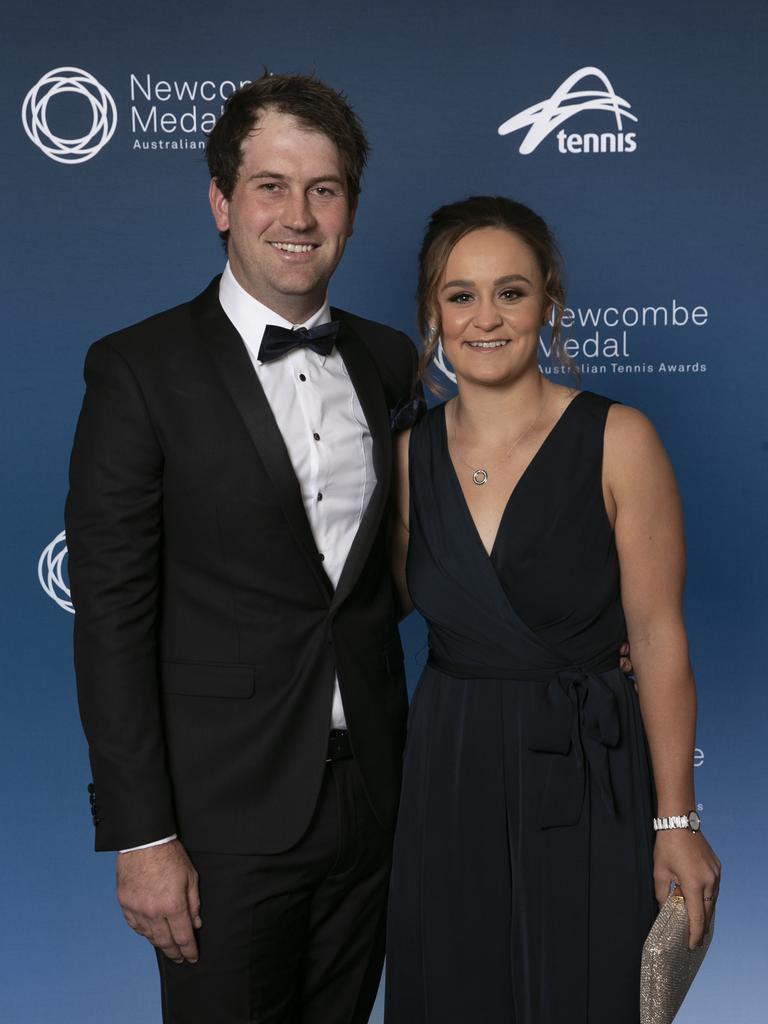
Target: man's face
{"type": "Point", "coordinates": [289, 215]}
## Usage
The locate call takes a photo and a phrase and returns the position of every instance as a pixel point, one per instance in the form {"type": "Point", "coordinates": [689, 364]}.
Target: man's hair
{"type": "Point", "coordinates": [312, 103]}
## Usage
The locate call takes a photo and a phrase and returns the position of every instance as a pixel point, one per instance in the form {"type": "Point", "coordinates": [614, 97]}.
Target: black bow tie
{"type": "Point", "coordinates": [279, 341]}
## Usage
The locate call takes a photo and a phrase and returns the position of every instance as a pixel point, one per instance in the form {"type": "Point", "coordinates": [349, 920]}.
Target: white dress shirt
{"type": "Point", "coordinates": [324, 429]}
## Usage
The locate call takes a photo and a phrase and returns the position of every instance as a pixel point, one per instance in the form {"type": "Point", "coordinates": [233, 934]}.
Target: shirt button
{"type": "Point", "coordinates": [319, 495]}
{"type": "Point", "coordinates": [316, 436]}
{"type": "Point", "coordinates": [302, 376]}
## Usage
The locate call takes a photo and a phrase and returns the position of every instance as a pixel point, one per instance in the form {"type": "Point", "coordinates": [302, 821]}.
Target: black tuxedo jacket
{"type": "Point", "coordinates": [207, 633]}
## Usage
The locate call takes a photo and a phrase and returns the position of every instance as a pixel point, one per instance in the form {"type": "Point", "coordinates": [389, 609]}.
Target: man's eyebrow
{"type": "Point", "coordinates": [276, 176]}
{"type": "Point", "coordinates": [267, 174]}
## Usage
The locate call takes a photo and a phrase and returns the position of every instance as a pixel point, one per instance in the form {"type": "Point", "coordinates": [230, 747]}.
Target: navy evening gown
{"type": "Point", "coordinates": [522, 887]}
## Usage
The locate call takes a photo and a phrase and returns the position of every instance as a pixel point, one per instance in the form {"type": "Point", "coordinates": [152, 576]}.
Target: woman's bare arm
{"type": "Point", "coordinates": [643, 495]}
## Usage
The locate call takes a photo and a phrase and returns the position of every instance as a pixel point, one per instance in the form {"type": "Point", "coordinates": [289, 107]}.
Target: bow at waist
{"type": "Point", "coordinates": [574, 718]}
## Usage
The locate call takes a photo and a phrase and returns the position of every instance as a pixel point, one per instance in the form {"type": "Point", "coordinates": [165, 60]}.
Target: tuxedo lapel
{"type": "Point", "coordinates": [229, 354]}
{"type": "Point", "coordinates": [370, 392]}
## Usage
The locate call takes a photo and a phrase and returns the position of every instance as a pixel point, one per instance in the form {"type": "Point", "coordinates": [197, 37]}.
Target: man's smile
{"type": "Point", "coordinates": [295, 246]}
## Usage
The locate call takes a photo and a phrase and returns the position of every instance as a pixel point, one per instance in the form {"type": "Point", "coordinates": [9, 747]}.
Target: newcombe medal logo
{"type": "Point", "coordinates": [50, 572]}
{"type": "Point", "coordinates": [566, 102]}
{"type": "Point", "coordinates": [64, 82]}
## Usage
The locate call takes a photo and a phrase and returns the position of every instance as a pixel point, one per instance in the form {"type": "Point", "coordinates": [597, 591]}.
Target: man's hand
{"type": "Point", "coordinates": [157, 890]}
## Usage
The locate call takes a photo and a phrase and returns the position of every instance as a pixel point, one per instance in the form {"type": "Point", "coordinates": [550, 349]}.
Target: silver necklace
{"type": "Point", "coordinates": [480, 475]}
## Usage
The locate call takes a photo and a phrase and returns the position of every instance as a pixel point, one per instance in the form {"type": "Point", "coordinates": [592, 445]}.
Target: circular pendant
{"type": "Point", "coordinates": [480, 477]}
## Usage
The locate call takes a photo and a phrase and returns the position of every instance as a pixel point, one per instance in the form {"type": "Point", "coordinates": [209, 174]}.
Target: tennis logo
{"type": "Point", "coordinates": [566, 102]}
{"type": "Point", "coordinates": [61, 82]}
{"type": "Point", "coordinates": [50, 572]}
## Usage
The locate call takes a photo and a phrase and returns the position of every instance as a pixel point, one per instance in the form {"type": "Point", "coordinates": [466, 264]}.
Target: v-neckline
{"type": "Point", "coordinates": [515, 489]}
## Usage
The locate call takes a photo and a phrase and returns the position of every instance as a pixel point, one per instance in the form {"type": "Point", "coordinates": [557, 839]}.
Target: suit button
{"type": "Point", "coordinates": [91, 788]}
{"type": "Point", "coordinates": [316, 436]}
{"type": "Point", "coordinates": [302, 377]}
{"type": "Point", "coordinates": [322, 557]}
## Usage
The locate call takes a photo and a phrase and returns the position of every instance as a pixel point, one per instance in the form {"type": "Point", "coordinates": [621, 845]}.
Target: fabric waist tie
{"type": "Point", "coordinates": [574, 719]}
{"type": "Point", "coordinates": [459, 670]}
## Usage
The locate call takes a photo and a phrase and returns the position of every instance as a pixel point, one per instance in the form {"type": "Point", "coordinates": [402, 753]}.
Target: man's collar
{"type": "Point", "coordinates": [250, 316]}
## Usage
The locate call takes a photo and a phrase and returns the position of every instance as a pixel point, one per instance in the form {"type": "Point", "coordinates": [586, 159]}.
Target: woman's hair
{"type": "Point", "coordinates": [451, 223]}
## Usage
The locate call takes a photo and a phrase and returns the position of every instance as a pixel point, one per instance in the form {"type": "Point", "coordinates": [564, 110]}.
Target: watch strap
{"type": "Point", "coordinates": [672, 821]}
{"type": "Point", "coordinates": [678, 821]}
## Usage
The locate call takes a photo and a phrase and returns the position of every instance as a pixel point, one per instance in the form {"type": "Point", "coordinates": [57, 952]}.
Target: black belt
{"type": "Point", "coordinates": [339, 746]}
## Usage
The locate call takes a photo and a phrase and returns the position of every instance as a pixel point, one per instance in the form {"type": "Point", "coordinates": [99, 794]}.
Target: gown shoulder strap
{"type": "Point", "coordinates": [426, 466]}
{"type": "Point", "coordinates": [595, 407]}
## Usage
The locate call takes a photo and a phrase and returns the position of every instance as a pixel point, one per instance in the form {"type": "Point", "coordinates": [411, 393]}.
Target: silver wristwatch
{"type": "Point", "coordinates": [691, 821]}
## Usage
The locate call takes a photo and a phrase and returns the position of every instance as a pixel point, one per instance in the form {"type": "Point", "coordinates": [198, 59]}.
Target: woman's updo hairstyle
{"type": "Point", "coordinates": [450, 224]}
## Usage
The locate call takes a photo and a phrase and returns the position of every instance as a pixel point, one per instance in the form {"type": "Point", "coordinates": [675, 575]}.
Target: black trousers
{"type": "Point", "coordinates": [295, 937]}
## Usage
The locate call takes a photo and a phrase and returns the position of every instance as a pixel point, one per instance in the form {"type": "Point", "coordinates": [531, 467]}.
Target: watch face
{"type": "Point", "coordinates": [694, 821]}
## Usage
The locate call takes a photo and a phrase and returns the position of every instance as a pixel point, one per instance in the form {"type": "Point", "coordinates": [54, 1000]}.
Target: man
{"type": "Point", "coordinates": [239, 668]}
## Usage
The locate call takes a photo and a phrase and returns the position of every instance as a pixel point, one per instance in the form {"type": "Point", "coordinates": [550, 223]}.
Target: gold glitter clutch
{"type": "Point", "coordinates": [668, 966]}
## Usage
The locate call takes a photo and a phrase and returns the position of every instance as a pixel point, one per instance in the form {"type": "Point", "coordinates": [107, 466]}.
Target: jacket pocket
{"type": "Point", "coordinates": [198, 679]}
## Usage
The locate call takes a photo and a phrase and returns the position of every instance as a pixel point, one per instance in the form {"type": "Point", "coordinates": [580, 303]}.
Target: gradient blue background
{"type": "Point", "coordinates": [92, 247]}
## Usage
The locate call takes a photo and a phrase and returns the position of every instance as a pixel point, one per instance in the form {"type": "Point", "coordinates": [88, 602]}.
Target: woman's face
{"type": "Point", "coordinates": [492, 306]}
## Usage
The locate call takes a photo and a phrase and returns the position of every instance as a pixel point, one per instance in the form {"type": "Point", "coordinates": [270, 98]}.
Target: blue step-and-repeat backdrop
{"type": "Point", "coordinates": [638, 130]}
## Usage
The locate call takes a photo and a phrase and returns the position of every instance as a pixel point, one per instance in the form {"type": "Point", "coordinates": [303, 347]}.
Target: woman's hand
{"type": "Point", "coordinates": [686, 858]}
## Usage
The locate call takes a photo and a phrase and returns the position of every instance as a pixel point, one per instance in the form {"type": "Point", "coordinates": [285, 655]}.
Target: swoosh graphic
{"type": "Point", "coordinates": [544, 117]}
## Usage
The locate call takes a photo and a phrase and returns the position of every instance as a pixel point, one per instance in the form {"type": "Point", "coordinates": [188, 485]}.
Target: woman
{"type": "Point", "coordinates": [541, 525]}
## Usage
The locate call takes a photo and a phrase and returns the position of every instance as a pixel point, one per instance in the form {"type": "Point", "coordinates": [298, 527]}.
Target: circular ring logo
{"type": "Point", "coordinates": [50, 572]}
{"type": "Point", "coordinates": [34, 115]}
{"type": "Point", "coordinates": [442, 364]}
